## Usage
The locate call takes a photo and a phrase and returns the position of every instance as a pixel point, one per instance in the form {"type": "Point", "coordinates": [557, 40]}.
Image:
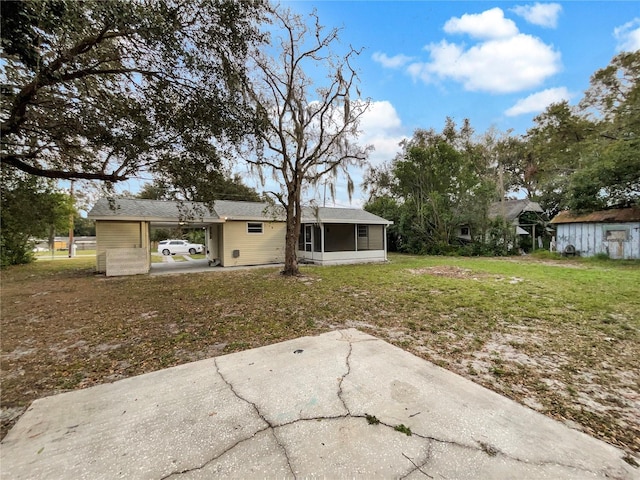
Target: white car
{"type": "Point", "coordinates": [171, 247]}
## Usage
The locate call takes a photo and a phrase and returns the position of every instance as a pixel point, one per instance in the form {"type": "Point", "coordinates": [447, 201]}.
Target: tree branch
{"type": "Point", "coordinates": [46, 77]}
{"type": "Point", "coordinates": [14, 161]}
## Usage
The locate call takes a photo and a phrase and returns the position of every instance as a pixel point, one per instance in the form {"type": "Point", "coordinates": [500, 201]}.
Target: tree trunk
{"type": "Point", "coordinates": [291, 237]}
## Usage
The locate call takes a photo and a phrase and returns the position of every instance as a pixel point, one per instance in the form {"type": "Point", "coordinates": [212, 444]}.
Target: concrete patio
{"type": "Point", "coordinates": [340, 405]}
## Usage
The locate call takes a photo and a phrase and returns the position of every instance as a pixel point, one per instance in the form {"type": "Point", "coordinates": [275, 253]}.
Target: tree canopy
{"type": "Point", "coordinates": [100, 89]}
{"type": "Point", "coordinates": [584, 157]}
{"type": "Point", "coordinates": [438, 182]}
{"type": "Point", "coordinates": [198, 186]}
{"type": "Point", "coordinates": [31, 208]}
{"type": "Point", "coordinates": [611, 170]}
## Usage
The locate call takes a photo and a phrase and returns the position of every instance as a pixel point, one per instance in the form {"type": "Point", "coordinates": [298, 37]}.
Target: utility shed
{"type": "Point", "coordinates": [614, 232]}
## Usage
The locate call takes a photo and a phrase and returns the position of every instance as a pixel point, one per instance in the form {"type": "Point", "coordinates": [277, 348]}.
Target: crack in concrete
{"type": "Point", "coordinates": [286, 454]}
{"type": "Point", "coordinates": [483, 447]}
{"type": "Point", "coordinates": [348, 363]}
{"type": "Point", "coordinates": [492, 451]}
{"type": "Point", "coordinates": [200, 467]}
{"type": "Point", "coordinates": [270, 426]}
{"type": "Point", "coordinates": [233, 390]}
{"type": "Point", "coordinates": [259, 413]}
{"type": "Point", "coordinates": [418, 467]}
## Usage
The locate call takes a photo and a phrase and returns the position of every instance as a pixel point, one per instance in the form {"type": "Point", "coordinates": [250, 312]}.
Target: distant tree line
{"type": "Point", "coordinates": [582, 158]}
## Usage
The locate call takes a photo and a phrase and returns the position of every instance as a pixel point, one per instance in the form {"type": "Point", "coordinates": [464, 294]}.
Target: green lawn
{"type": "Point", "coordinates": [561, 336]}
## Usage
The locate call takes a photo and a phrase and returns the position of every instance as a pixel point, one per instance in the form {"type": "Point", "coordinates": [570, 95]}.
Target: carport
{"type": "Point", "coordinates": [123, 228]}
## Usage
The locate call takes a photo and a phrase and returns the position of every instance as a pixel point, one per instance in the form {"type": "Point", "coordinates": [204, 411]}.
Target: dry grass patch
{"type": "Point", "coordinates": [560, 339]}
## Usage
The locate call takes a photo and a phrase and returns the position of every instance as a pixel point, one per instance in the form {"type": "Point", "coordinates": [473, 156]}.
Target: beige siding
{"type": "Point", "coordinates": [254, 248]}
{"type": "Point", "coordinates": [111, 234]}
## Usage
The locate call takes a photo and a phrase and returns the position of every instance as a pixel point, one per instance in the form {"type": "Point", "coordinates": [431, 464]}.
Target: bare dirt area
{"type": "Point", "coordinates": [563, 341]}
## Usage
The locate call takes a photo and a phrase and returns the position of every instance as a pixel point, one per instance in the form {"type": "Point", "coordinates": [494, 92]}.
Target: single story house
{"type": "Point", "coordinates": [511, 211]}
{"type": "Point", "coordinates": [614, 232]}
{"type": "Point", "coordinates": [236, 233]}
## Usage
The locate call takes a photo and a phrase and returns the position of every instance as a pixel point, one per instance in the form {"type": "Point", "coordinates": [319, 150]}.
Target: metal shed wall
{"type": "Point", "coordinates": [591, 238]}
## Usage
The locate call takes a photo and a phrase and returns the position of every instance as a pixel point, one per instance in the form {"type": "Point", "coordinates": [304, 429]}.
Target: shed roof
{"type": "Point", "coordinates": [613, 215]}
{"type": "Point", "coordinates": [512, 209]}
{"type": "Point", "coordinates": [134, 209]}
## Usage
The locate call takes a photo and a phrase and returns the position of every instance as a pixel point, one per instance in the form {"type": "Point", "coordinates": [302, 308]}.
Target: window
{"type": "Point", "coordinates": [616, 235]}
{"type": "Point", "coordinates": [254, 227]}
{"type": "Point", "coordinates": [464, 231]}
{"type": "Point", "coordinates": [363, 231]}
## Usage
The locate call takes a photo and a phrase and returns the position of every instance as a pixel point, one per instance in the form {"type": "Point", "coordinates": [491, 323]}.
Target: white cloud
{"type": "Point", "coordinates": [381, 127]}
{"type": "Point", "coordinates": [488, 24]}
{"type": "Point", "coordinates": [628, 36]}
{"type": "Point", "coordinates": [391, 62]}
{"type": "Point", "coordinates": [504, 60]}
{"type": "Point", "coordinates": [538, 101]}
{"type": "Point", "coordinates": [501, 65]}
{"type": "Point", "coordinates": [542, 14]}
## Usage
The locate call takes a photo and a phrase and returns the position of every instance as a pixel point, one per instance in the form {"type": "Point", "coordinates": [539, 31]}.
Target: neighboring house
{"type": "Point", "coordinates": [511, 211]}
{"type": "Point", "coordinates": [614, 232]}
{"type": "Point", "coordinates": [236, 233]}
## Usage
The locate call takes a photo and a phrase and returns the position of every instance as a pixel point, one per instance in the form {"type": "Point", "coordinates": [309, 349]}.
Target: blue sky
{"type": "Point", "coordinates": [497, 63]}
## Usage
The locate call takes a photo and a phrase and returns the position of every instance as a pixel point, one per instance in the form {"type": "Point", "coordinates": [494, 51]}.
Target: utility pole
{"type": "Point", "coordinates": [71, 215]}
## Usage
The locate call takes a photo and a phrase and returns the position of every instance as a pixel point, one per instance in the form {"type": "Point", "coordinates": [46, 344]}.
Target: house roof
{"type": "Point", "coordinates": [614, 215]}
{"type": "Point", "coordinates": [134, 209]}
{"type": "Point", "coordinates": [510, 210]}
{"type": "Point", "coordinates": [230, 210]}
{"type": "Point", "coordinates": [341, 215]}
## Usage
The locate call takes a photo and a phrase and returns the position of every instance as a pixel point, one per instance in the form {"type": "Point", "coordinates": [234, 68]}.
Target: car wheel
{"type": "Point", "coordinates": [192, 251]}
{"type": "Point", "coordinates": [166, 252]}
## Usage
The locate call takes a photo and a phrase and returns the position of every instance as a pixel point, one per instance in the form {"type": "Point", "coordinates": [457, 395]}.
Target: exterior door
{"type": "Point", "coordinates": [615, 242]}
{"type": "Point", "coordinates": [308, 238]}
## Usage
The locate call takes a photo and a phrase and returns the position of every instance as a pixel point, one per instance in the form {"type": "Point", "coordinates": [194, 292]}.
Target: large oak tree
{"type": "Point", "coordinates": [100, 89]}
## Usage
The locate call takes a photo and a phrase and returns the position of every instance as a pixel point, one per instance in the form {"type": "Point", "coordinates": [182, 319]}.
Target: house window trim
{"type": "Point", "coordinates": [255, 225]}
{"type": "Point", "coordinates": [366, 231]}
{"type": "Point", "coordinates": [465, 231]}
